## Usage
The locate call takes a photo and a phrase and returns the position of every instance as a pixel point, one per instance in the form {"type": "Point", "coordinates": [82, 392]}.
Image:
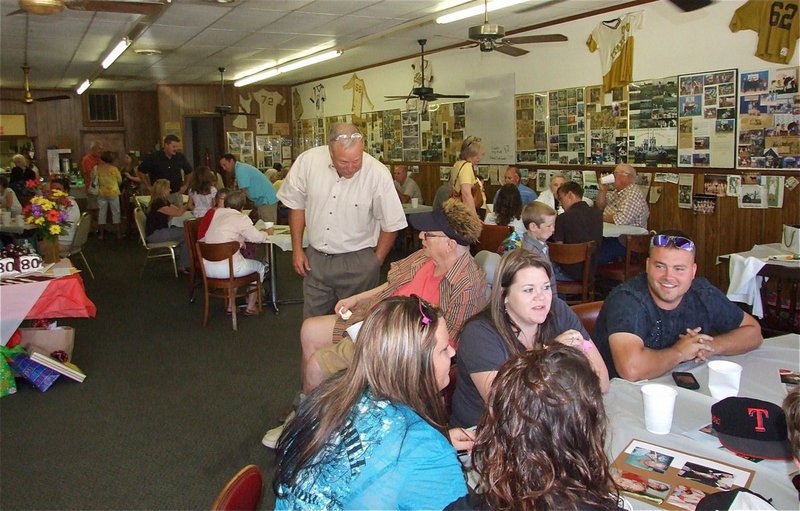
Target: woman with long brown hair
{"type": "Point", "coordinates": [522, 315]}
{"type": "Point", "coordinates": [373, 436]}
{"type": "Point", "coordinates": [539, 445]}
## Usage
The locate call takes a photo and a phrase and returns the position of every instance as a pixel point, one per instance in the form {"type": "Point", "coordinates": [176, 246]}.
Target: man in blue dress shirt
{"type": "Point", "coordinates": [512, 177]}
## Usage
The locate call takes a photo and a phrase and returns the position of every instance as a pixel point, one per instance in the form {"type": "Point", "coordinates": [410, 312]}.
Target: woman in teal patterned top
{"type": "Point", "coordinates": [373, 436]}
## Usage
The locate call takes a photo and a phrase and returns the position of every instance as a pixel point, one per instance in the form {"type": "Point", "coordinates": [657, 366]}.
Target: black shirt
{"type": "Point", "coordinates": [579, 224]}
{"type": "Point", "coordinates": [158, 166]}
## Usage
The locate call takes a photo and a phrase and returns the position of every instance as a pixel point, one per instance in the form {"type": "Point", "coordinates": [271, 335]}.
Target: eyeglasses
{"type": "Point", "coordinates": [351, 136]}
{"type": "Point", "coordinates": [426, 310]}
{"type": "Point", "coordinates": [473, 140]}
{"type": "Point", "coordinates": [662, 240]}
{"type": "Point", "coordinates": [426, 235]}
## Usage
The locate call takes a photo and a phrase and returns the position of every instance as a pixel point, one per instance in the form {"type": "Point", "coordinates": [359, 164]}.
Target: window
{"type": "Point", "coordinates": [102, 109]}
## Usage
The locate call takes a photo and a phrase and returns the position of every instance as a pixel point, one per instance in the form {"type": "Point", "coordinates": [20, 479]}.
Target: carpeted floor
{"type": "Point", "coordinates": [169, 410]}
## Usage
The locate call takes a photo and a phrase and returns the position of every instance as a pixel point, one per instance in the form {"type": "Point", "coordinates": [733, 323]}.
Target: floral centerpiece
{"type": "Point", "coordinates": [49, 212]}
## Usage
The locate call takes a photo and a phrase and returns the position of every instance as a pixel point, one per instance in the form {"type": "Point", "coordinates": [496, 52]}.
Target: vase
{"type": "Point", "coordinates": [48, 249]}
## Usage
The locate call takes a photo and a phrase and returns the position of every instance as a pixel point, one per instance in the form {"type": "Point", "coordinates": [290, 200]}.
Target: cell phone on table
{"type": "Point", "coordinates": [685, 380]}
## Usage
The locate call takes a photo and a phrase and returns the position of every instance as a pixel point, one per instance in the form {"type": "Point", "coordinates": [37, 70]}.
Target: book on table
{"type": "Point", "coordinates": [55, 365]}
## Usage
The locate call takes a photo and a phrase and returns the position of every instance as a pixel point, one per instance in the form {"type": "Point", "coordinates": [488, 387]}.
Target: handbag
{"type": "Point", "coordinates": [791, 238]}
{"type": "Point", "coordinates": [477, 193]}
{"type": "Point", "coordinates": [94, 188]}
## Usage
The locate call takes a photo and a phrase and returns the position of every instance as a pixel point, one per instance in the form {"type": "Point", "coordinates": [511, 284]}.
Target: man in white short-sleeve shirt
{"type": "Point", "coordinates": [347, 202]}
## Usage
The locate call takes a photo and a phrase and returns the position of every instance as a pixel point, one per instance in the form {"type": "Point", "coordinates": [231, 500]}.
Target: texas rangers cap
{"type": "Point", "coordinates": [751, 427]}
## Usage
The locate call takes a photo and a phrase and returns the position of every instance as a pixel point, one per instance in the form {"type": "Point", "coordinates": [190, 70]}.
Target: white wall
{"type": "Point", "coordinates": [671, 42]}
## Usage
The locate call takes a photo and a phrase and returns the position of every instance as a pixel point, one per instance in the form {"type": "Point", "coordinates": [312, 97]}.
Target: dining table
{"type": "Point", "coordinates": [281, 238]}
{"type": "Point", "coordinates": [616, 230]}
{"type": "Point", "coordinates": [760, 379]}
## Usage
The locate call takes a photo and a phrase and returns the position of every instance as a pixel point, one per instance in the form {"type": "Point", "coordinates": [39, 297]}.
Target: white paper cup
{"type": "Point", "coordinates": [607, 179]}
{"type": "Point", "coordinates": [723, 378]}
{"type": "Point", "coordinates": [6, 217]}
{"type": "Point", "coordinates": [20, 221]}
{"type": "Point", "coordinates": [353, 329]}
{"type": "Point", "coordinates": [414, 202]}
{"type": "Point", "coordinates": [659, 403]}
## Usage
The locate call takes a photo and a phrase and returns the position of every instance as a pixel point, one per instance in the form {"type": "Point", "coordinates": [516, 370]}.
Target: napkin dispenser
{"type": "Point", "coordinates": [790, 239]}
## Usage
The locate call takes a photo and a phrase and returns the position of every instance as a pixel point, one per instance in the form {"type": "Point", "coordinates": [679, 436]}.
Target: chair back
{"type": "Point", "coordinates": [217, 251]}
{"type": "Point", "coordinates": [637, 247]}
{"type": "Point", "coordinates": [488, 262]}
{"type": "Point", "coordinates": [587, 313]}
{"type": "Point", "coordinates": [573, 253]}
{"type": "Point", "coordinates": [190, 228]}
{"type": "Point", "coordinates": [492, 236]}
{"type": "Point", "coordinates": [141, 221]}
{"type": "Point", "coordinates": [82, 231]}
{"type": "Point", "coordinates": [243, 491]}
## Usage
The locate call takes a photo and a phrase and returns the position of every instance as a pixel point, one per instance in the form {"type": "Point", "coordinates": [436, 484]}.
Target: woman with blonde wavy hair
{"type": "Point", "coordinates": [539, 445]}
{"type": "Point", "coordinates": [159, 213]}
{"type": "Point", "coordinates": [373, 436]}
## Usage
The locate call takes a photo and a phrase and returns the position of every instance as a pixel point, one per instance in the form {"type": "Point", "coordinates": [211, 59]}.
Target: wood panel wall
{"type": "Point", "coordinates": [60, 123]}
{"type": "Point", "coordinates": [178, 101]}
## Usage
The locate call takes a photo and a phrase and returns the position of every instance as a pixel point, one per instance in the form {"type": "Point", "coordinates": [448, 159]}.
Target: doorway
{"type": "Point", "coordinates": [204, 140]}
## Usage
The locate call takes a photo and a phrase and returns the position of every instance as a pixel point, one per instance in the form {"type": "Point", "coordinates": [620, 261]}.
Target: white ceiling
{"type": "Point", "coordinates": [198, 36]}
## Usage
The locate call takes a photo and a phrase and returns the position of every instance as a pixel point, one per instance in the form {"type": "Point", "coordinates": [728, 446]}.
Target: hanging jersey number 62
{"type": "Point", "coordinates": [781, 15]}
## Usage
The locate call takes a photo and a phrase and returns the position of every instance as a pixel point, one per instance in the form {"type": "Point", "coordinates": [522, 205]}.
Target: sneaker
{"type": "Point", "coordinates": [271, 438]}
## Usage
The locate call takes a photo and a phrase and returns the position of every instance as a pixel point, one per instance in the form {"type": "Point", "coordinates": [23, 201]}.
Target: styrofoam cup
{"type": "Point", "coordinates": [724, 378]}
{"type": "Point", "coordinates": [608, 179]}
{"type": "Point", "coordinates": [353, 329]}
{"type": "Point", "coordinates": [659, 404]}
{"type": "Point", "coordinates": [6, 217]}
{"type": "Point", "coordinates": [414, 202]}
{"type": "Point", "coordinates": [20, 220]}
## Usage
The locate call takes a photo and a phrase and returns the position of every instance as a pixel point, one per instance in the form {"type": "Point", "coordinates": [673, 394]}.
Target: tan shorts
{"type": "Point", "coordinates": [336, 357]}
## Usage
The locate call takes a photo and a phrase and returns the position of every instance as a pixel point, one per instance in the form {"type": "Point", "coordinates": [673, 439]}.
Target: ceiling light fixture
{"type": "Point", "coordinates": [477, 10]}
{"type": "Point", "coordinates": [299, 55]}
{"type": "Point", "coordinates": [85, 85]}
{"type": "Point", "coordinates": [147, 52]}
{"type": "Point", "coordinates": [118, 50]}
{"type": "Point", "coordinates": [269, 73]}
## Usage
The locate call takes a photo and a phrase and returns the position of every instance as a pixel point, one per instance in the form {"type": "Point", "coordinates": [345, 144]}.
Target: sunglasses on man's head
{"type": "Point", "coordinates": [352, 136]}
{"type": "Point", "coordinates": [662, 240]}
{"type": "Point", "coordinates": [426, 310]}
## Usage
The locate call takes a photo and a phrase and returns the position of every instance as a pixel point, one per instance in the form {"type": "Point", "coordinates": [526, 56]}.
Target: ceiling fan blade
{"type": "Point", "coordinates": [530, 39]}
{"type": "Point", "coordinates": [474, 45]}
{"type": "Point", "coordinates": [510, 50]}
{"type": "Point", "coordinates": [144, 8]}
{"type": "Point", "coordinates": [14, 13]}
{"type": "Point", "coordinates": [241, 113]}
{"type": "Point", "coordinates": [436, 95]}
{"type": "Point", "coordinates": [396, 98]}
{"type": "Point", "coordinates": [51, 98]}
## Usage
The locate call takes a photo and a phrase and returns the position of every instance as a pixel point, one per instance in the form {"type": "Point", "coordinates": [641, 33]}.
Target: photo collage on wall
{"type": "Point", "coordinates": [240, 144]}
{"type": "Point", "coordinates": [652, 137]}
{"type": "Point", "coordinates": [769, 113]}
{"type": "Point", "coordinates": [707, 119]}
{"type": "Point", "coordinates": [392, 135]}
{"type": "Point", "coordinates": [567, 126]}
{"type": "Point", "coordinates": [607, 125]}
{"type": "Point", "coordinates": [410, 127]}
{"type": "Point", "coordinates": [532, 127]}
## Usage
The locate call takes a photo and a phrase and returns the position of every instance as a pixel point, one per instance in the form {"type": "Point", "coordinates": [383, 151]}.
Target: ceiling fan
{"type": "Point", "coordinates": [490, 37]}
{"type": "Point", "coordinates": [45, 7]}
{"type": "Point", "coordinates": [223, 109]}
{"type": "Point", "coordinates": [423, 93]}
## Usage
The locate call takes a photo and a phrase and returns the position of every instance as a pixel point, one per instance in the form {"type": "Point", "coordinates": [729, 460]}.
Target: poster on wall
{"type": "Point", "coordinates": [411, 138]}
{"type": "Point", "coordinates": [531, 112]}
{"type": "Point", "coordinates": [707, 119]}
{"type": "Point", "coordinates": [268, 151]}
{"type": "Point", "coordinates": [607, 125]}
{"type": "Point", "coordinates": [653, 131]}
{"type": "Point", "coordinates": [241, 145]}
{"type": "Point", "coordinates": [769, 113]}
{"type": "Point", "coordinates": [567, 134]}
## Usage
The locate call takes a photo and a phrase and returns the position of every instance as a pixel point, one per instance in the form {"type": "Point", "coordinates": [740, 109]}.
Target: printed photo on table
{"type": "Point", "coordinates": [649, 460]}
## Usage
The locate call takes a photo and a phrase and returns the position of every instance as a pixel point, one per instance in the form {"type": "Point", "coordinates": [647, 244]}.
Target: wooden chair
{"type": "Point", "coordinates": [231, 287]}
{"type": "Point", "coordinates": [573, 253]}
{"type": "Point", "coordinates": [80, 239]}
{"type": "Point", "coordinates": [637, 247]}
{"type": "Point", "coordinates": [154, 250]}
{"type": "Point", "coordinates": [243, 491]}
{"type": "Point", "coordinates": [492, 236]}
{"type": "Point", "coordinates": [587, 313]}
{"type": "Point", "coordinates": [190, 228]}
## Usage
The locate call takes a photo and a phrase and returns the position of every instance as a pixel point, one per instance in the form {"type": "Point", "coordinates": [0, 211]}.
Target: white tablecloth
{"type": "Point", "coordinates": [614, 230]}
{"type": "Point", "coordinates": [408, 210]}
{"type": "Point", "coordinates": [693, 410]}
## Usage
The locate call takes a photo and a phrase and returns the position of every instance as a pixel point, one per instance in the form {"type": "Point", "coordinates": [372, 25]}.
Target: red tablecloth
{"type": "Point", "coordinates": [64, 297]}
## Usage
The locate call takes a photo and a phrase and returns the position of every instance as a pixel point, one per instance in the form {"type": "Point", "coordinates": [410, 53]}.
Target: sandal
{"type": "Point", "coordinates": [248, 312]}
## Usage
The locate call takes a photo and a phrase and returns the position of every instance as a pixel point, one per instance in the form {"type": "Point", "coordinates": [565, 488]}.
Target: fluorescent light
{"type": "Point", "coordinates": [322, 57]}
{"type": "Point", "coordinates": [477, 10]}
{"type": "Point", "coordinates": [299, 55]}
{"type": "Point", "coordinates": [85, 85]}
{"type": "Point", "coordinates": [269, 73]}
{"type": "Point", "coordinates": [116, 52]}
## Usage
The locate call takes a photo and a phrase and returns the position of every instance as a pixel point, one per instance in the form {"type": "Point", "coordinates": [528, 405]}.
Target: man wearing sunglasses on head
{"type": "Point", "coordinates": [665, 316]}
{"type": "Point", "coordinates": [346, 201]}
